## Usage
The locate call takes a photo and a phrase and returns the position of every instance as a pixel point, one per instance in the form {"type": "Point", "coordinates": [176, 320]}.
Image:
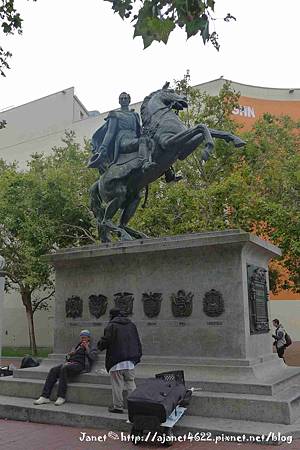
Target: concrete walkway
{"type": "Point", "coordinates": [23, 435]}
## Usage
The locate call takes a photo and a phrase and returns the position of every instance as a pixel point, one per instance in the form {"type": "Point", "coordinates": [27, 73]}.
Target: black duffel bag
{"type": "Point", "coordinates": [155, 398]}
{"type": "Point", "coordinates": [29, 361]}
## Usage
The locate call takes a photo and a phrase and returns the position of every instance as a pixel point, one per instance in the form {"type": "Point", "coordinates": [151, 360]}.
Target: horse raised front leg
{"type": "Point", "coordinates": [189, 140]}
{"type": "Point", "coordinates": [182, 138]}
{"type": "Point", "coordinates": [228, 137]}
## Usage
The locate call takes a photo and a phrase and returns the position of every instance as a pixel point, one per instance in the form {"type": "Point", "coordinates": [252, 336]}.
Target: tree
{"type": "Point", "coordinates": [255, 188]}
{"type": "Point", "coordinates": [11, 22]}
{"type": "Point", "coordinates": [155, 20]}
{"type": "Point", "coordinates": [43, 209]}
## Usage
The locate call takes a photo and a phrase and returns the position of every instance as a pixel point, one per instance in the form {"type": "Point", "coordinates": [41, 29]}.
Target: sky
{"type": "Point", "coordinates": [82, 43]}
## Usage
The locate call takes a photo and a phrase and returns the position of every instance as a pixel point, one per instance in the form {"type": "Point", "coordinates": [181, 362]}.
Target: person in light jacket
{"type": "Point", "coordinates": [279, 338]}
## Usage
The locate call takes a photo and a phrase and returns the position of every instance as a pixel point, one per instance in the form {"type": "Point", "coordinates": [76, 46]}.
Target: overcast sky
{"type": "Point", "coordinates": [81, 43]}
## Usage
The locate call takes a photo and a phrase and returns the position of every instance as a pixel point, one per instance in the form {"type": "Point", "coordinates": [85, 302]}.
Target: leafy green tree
{"type": "Point", "coordinates": [255, 188]}
{"type": "Point", "coordinates": [155, 20]}
{"type": "Point", "coordinates": [41, 210]}
{"type": "Point", "coordinates": [11, 23]}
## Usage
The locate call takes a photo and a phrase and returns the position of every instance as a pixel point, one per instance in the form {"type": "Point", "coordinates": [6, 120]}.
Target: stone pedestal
{"type": "Point", "coordinates": [188, 295]}
{"type": "Point", "coordinates": [199, 302]}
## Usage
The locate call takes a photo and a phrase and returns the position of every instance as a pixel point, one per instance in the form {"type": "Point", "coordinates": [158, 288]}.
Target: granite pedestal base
{"type": "Point", "coordinates": [192, 303]}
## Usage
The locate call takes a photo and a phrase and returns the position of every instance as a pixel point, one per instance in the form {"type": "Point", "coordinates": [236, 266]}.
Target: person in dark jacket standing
{"type": "Point", "coordinates": [123, 351]}
{"type": "Point", "coordinates": [78, 360]}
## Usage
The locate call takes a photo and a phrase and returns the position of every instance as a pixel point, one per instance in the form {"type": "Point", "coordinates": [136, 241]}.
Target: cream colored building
{"type": "Point", "coordinates": [40, 125]}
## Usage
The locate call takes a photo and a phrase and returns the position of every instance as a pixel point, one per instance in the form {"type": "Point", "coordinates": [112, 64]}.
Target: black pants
{"type": "Point", "coordinates": [61, 373]}
{"type": "Point", "coordinates": [280, 352]}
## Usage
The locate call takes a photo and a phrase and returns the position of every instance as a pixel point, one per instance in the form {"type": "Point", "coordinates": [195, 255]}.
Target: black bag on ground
{"type": "Point", "coordinates": [156, 398]}
{"type": "Point", "coordinates": [29, 361]}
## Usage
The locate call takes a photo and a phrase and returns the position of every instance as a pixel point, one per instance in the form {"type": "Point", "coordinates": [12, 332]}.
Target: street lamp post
{"type": "Point", "coordinates": [2, 280]}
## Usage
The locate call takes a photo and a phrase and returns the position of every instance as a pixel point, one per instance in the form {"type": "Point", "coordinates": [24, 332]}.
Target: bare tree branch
{"type": "Point", "coordinates": [77, 227]}
{"type": "Point", "coordinates": [37, 304]}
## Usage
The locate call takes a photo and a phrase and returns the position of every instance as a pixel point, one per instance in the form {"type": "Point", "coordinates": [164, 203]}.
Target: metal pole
{"type": "Point", "coordinates": [2, 280]}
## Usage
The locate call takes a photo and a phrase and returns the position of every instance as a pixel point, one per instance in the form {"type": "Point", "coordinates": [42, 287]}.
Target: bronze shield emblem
{"type": "Point", "coordinates": [213, 303]}
{"type": "Point", "coordinates": [124, 302]}
{"type": "Point", "coordinates": [182, 304]}
{"type": "Point", "coordinates": [152, 303]}
{"type": "Point", "coordinates": [74, 307]}
{"type": "Point", "coordinates": [97, 305]}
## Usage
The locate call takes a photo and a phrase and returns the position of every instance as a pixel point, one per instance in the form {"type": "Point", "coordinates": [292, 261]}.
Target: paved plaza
{"type": "Point", "coordinates": [23, 435]}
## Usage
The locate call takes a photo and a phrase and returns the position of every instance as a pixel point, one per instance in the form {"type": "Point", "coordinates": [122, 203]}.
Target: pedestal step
{"type": "Point", "coordinates": [97, 417]}
{"type": "Point", "coordinates": [284, 378]}
{"type": "Point", "coordinates": [283, 407]}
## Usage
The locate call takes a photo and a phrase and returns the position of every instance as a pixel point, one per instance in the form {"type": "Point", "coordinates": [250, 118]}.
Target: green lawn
{"type": "Point", "coordinates": [22, 351]}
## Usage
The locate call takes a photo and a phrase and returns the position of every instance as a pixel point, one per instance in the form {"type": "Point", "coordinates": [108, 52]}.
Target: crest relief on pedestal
{"type": "Point", "coordinates": [213, 303]}
{"type": "Point", "coordinates": [74, 307]}
{"type": "Point", "coordinates": [152, 303]}
{"type": "Point", "coordinates": [182, 303]}
{"type": "Point", "coordinates": [97, 305]}
{"type": "Point", "coordinates": [124, 302]}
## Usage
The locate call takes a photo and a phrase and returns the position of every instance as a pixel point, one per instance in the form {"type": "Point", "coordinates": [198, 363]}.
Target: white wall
{"type": "Point", "coordinates": [38, 126]}
{"type": "Point", "coordinates": [288, 313]}
{"type": "Point", "coordinates": [14, 323]}
{"type": "Point", "coordinates": [213, 88]}
{"type": "Point", "coordinates": [38, 118]}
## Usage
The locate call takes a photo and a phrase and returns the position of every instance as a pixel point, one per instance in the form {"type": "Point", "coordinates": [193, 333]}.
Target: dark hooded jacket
{"type": "Point", "coordinates": [121, 341]}
{"type": "Point", "coordinates": [84, 357]}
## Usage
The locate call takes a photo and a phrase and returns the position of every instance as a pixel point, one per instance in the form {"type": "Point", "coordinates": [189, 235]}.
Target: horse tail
{"type": "Point", "coordinates": [146, 196]}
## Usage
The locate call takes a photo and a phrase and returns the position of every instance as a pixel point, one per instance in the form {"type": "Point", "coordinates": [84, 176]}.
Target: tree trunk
{"type": "Point", "coordinates": [26, 299]}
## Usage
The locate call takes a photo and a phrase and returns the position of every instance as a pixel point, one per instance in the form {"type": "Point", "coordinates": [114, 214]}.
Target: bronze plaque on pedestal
{"type": "Point", "coordinates": [258, 299]}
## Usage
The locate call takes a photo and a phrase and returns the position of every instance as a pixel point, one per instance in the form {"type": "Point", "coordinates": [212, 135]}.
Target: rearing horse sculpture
{"type": "Point", "coordinates": [167, 139]}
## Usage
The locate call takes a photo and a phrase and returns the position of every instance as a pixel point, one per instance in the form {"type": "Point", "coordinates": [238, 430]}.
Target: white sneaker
{"type": "Point", "coordinates": [41, 401]}
{"type": "Point", "coordinates": [60, 401]}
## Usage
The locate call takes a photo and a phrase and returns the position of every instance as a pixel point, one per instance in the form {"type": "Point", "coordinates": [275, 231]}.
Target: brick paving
{"type": "Point", "coordinates": [17, 435]}
{"type": "Point", "coordinates": [34, 436]}
{"type": "Point", "coordinates": [8, 361]}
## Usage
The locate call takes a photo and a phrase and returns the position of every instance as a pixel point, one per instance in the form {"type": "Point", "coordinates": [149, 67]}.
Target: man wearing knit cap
{"type": "Point", "coordinates": [123, 351]}
{"type": "Point", "coordinates": [77, 360]}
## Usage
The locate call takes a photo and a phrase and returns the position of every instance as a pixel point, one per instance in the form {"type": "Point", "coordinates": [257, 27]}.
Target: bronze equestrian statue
{"type": "Point", "coordinates": [130, 156]}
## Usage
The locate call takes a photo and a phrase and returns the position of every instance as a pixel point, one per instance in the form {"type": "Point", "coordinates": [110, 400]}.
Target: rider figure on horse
{"type": "Point", "coordinates": [122, 135]}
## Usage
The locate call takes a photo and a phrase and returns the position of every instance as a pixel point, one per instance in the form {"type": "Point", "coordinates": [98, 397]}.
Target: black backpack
{"type": "Point", "coordinates": [288, 340]}
{"type": "Point", "coordinates": [29, 361]}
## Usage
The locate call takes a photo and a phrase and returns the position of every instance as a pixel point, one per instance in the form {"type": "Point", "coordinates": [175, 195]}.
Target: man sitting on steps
{"type": "Point", "coordinates": [78, 360]}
